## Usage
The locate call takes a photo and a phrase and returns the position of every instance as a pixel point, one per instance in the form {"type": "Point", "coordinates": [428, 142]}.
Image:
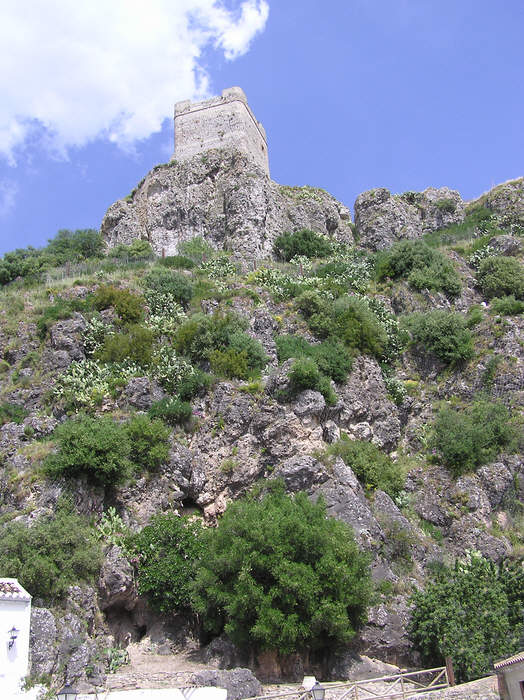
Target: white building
{"type": "Point", "coordinates": [510, 675]}
{"type": "Point", "coordinates": [15, 622]}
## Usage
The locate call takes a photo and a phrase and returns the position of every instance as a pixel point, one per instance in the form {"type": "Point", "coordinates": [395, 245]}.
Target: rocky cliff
{"type": "Point", "coordinates": [245, 432]}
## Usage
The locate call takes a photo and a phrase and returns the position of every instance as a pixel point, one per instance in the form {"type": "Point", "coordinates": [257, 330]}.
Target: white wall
{"type": "Point", "coordinates": [14, 661]}
{"type": "Point", "coordinates": [514, 675]}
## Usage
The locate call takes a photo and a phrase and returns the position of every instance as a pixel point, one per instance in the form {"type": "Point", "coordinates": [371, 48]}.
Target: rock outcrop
{"type": "Point", "coordinates": [381, 218]}
{"type": "Point", "coordinates": [223, 197]}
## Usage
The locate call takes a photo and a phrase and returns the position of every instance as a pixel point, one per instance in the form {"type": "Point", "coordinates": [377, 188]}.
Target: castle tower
{"type": "Point", "coordinates": [221, 122]}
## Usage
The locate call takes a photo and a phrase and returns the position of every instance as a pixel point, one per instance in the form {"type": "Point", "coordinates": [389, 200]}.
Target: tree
{"type": "Point", "coordinates": [279, 574]}
{"type": "Point", "coordinates": [471, 612]}
{"type": "Point", "coordinates": [168, 551]}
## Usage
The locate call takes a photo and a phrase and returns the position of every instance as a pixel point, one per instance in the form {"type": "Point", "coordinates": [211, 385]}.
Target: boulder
{"type": "Point", "coordinates": [42, 641]}
{"type": "Point", "coordinates": [239, 683]}
{"type": "Point", "coordinates": [142, 392]}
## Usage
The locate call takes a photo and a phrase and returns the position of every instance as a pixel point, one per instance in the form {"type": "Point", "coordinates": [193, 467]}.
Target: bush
{"type": "Point", "coordinates": [305, 374]}
{"type": "Point", "coordinates": [202, 335]}
{"type": "Point", "coordinates": [501, 276]}
{"type": "Point", "coordinates": [229, 363]}
{"type": "Point", "coordinates": [442, 333]}
{"type": "Point", "coordinates": [51, 554]}
{"type": "Point", "coordinates": [197, 249]}
{"type": "Point", "coordinates": [12, 413]}
{"type": "Point", "coordinates": [303, 242]}
{"type": "Point", "coordinates": [332, 357]}
{"type": "Point", "coordinates": [128, 306]}
{"type": "Point", "coordinates": [134, 345]}
{"type": "Point", "coordinates": [279, 574]}
{"type": "Point", "coordinates": [466, 439]}
{"type": "Point", "coordinates": [168, 551]}
{"type": "Point", "coordinates": [194, 384]}
{"type": "Point", "coordinates": [177, 262]}
{"type": "Point", "coordinates": [135, 251]}
{"type": "Point", "coordinates": [96, 448]}
{"type": "Point", "coordinates": [471, 612]}
{"type": "Point", "coordinates": [424, 267]}
{"type": "Point", "coordinates": [373, 468]}
{"type": "Point", "coordinates": [506, 306]}
{"type": "Point", "coordinates": [149, 440]}
{"type": "Point", "coordinates": [61, 309]}
{"type": "Point", "coordinates": [173, 283]}
{"type": "Point", "coordinates": [358, 327]}
{"type": "Point", "coordinates": [172, 411]}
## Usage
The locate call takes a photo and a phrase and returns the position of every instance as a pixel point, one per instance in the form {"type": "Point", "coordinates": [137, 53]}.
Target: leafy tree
{"type": "Point", "coordinates": [51, 554]}
{"type": "Point", "coordinates": [373, 468]}
{"type": "Point", "coordinates": [98, 448]}
{"type": "Point", "coordinates": [444, 334]}
{"type": "Point", "coordinates": [499, 276]}
{"type": "Point", "coordinates": [304, 242]}
{"type": "Point", "coordinates": [472, 612]}
{"type": "Point", "coordinates": [278, 574]}
{"type": "Point", "coordinates": [468, 438]}
{"type": "Point", "coordinates": [168, 551]}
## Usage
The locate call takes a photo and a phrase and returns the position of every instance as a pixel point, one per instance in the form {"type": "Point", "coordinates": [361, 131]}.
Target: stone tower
{"type": "Point", "coordinates": [221, 122]}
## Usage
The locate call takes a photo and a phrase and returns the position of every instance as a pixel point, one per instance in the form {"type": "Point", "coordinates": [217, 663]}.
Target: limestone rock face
{"type": "Point", "coordinates": [227, 200]}
{"type": "Point", "coordinates": [382, 218]}
{"type": "Point", "coordinates": [506, 201]}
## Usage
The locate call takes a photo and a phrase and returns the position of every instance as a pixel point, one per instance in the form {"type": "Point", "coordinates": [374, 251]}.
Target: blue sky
{"type": "Point", "coordinates": [353, 94]}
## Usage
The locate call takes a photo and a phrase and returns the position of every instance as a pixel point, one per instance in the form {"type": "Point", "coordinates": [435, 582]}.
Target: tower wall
{"type": "Point", "coordinates": [221, 122]}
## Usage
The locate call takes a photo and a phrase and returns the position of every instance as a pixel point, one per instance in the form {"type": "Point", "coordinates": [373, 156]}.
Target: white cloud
{"type": "Point", "coordinates": [8, 193]}
{"type": "Point", "coordinates": [74, 71]}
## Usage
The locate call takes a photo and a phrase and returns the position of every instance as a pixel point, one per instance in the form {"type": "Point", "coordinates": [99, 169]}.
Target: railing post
{"type": "Point", "coordinates": [402, 688]}
{"type": "Point", "coordinates": [450, 673]}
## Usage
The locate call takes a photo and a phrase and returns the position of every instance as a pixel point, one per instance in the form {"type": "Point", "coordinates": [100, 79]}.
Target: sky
{"type": "Point", "coordinates": [353, 94]}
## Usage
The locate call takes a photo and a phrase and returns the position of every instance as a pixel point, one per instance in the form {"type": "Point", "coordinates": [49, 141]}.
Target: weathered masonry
{"type": "Point", "coordinates": [221, 122]}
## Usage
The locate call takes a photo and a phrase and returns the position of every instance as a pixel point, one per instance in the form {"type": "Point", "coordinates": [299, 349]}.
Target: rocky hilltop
{"type": "Point", "coordinates": [425, 335]}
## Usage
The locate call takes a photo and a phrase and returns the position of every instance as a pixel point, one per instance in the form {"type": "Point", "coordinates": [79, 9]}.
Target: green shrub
{"type": "Point", "coordinates": [61, 309]}
{"type": "Point", "coordinates": [167, 282]}
{"type": "Point", "coordinates": [51, 554]}
{"type": "Point", "coordinates": [128, 306]}
{"type": "Point", "coordinates": [506, 306]}
{"type": "Point", "coordinates": [471, 612]}
{"type": "Point", "coordinates": [135, 251]}
{"type": "Point", "coordinates": [149, 440]}
{"type": "Point", "coordinates": [358, 327]}
{"type": "Point", "coordinates": [177, 262]}
{"type": "Point", "coordinates": [422, 266]}
{"type": "Point", "coordinates": [373, 468]}
{"type": "Point", "coordinates": [12, 413]}
{"type": "Point", "coordinates": [304, 242]}
{"type": "Point", "coordinates": [197, 249]}
{"type": "Point", "coordinates": [97, 448]}
{"type": "Point", "coordinates": [168, 551]}
{"type": "Point", "coordinates": [310, 302]}
{"type": "Point", "coordinates": [443, 334]}
{"type": "Point", "coordinates": [332, 358]}
{"type": "Point", "coordinates": [466, 439]}
{"type": "Point", "coordinates": [229, 363]}
{"type": "Point", "coordinates": [279, 574]}
{"type": "Point", "coordinates": [202, 335]}
{"type": "Point", "coordinates": [134, 344]}
{"type": "Point", "coordinates": [194, 384]}
{"type": "Point", "coordinates": [499, 276]}
{"type": "Point", "coordinates": [172, 411]}
{"type": "Point", "coordinates": [305, 374]}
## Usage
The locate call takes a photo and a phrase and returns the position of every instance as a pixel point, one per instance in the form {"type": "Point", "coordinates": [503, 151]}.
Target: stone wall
{"type": "Point", "coordinates": [221, 122]}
